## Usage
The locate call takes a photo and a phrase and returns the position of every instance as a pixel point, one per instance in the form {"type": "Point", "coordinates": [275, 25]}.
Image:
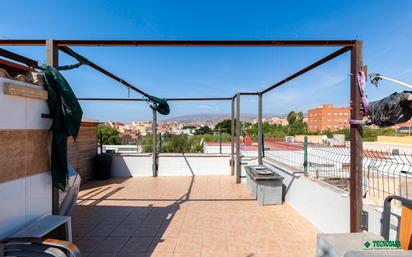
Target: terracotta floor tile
{"type": "Point", "coordinates": [154, 220]}
{"type": "Point", "coordinates": [189, 244]}
{"type": "Point", "coordinates": [186, 254]}
{"type": "Point", "coordinates": [215, 254]}
{"type": "Point", "coordinates": [89, 244]}
{"type": "Point", "coordinates": [159, 254]}
{"type": "Point", "coordinates": [102, 254]}
{"type": "Point", "coordinates": [131, 254]}
{"type": "Point", "coordinates": [101, 230]}
{"type": "Point", "coordinates": [139, 218]}
{"type": "Point", "coordinates": [124, 230]}
{"type": "Point", "coordinates": [133, 219]}
{"type": "Point", "coordinates": [137, 244]}
{"type": "Point", "coordinates": [163, 245]}
{"type": "Point", "coordinates": [214, 244]}
{"type": "Point", "coordinates": [112, 244]}
{"type": "Point", "coordinates": [82, 230]}
{"type": "Point", "coordinates": [146, 230]}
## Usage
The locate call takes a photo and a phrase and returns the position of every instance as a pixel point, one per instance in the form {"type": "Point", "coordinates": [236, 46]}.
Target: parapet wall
{"type": "Point", "coordinates": [136, 165]}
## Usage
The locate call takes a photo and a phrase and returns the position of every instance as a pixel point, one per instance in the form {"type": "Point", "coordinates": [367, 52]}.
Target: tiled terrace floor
{"type": "Point", "coordinates": [185, 216]}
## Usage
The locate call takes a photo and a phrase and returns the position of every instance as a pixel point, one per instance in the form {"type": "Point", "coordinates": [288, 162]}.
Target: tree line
{"type": "Point", "coordinates": [222, 132]}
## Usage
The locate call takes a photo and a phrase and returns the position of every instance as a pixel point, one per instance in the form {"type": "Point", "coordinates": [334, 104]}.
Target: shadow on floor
{"type": "Point", "coordinates": [101, 230]}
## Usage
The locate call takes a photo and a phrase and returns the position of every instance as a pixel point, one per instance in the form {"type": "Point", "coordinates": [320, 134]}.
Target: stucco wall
{"type": "Point", "coordinates": [396, 140]}
{"type": "Point", "coordinates": [135, 165]}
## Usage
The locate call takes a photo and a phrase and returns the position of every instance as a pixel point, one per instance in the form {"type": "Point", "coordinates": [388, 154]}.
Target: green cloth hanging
{"type": "Point", "coordinates": [158, 104]}
{"type": "Point", "coordinates": [66, 113]}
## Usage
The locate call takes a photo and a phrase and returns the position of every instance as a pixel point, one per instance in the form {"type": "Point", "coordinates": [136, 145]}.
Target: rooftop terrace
{"type": "Point", "coordinates": [185, 216]}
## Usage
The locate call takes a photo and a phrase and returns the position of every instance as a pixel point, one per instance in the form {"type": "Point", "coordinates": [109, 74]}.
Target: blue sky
{"type": "Point", "coordinates": [384, 26]}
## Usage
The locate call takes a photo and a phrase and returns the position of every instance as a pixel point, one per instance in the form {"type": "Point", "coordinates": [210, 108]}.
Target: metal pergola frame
{"type": "Point", "coordinates": [354, 46]}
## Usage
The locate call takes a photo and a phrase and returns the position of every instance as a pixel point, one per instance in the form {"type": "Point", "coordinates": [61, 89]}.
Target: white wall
{"type": "Point", "coordinates": [387, 147]}
{"type": "Point", "coordinates": [135, 165]}
{"type": "Point", "coordinates": [23, 199]}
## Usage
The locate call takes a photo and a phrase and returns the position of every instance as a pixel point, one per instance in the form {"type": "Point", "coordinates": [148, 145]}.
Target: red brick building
{"type": "Point", "coordinates": [328, 117]}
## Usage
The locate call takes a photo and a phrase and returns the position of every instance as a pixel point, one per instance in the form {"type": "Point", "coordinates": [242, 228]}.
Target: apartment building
{"type": "Point", "coordinates": [328, 117]}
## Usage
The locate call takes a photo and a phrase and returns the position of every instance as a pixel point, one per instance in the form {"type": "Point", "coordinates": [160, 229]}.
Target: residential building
{"type": "Point", "coordinates": [327, 117]}
{"type": "Point", "coordinates": [278, 121]}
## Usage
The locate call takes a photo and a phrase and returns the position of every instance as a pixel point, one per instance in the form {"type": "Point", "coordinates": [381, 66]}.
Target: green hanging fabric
{"type": "Point", "coordinates": [158, 104]}
{"type": "Point", "coordinates": [66, 113]}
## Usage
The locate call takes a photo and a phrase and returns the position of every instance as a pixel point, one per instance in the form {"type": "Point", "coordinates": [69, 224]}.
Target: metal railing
{"type": "Point", "coordinates": [384, 173]}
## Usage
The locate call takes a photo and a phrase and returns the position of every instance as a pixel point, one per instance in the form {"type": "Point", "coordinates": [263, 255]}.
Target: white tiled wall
{"type": "Point", "coordinates": [13, 206]}
{"type": "Point", "coordinates": [24, 199]}
{"type": "Point", "coordinates": [38, 195]}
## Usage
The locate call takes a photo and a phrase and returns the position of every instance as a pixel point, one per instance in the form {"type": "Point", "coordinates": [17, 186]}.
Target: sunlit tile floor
{"type": "Point", "coordinates": [185, 216]}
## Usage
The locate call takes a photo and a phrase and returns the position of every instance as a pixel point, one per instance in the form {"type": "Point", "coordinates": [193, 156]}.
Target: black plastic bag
{"type": "Point", "coordinates": [391, 110]}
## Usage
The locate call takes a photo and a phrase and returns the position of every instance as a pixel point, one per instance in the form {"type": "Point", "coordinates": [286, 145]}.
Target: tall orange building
{"type": "Point", "coordinates": [327, 117]}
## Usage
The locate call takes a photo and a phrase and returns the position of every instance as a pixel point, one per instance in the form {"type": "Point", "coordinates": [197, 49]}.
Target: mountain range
{"type": "Point", "coordinates": [208, 119]}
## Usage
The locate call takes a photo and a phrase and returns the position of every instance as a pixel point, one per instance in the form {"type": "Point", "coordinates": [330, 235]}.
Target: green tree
{"type": "Point", "coordinates": [109, 136]}
{"type": "Point", "coordinates": [299, 117]}
{"type": "Point", "coordinates": [225, 126]}
{"type": "Point", "coordinates": [203, 130]}
{"type": "Point", "coordinates": [292, 117]}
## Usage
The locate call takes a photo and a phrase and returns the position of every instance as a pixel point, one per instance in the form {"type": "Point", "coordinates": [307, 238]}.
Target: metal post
{"type": "Point", "coordinates": [356, 149]}
{"type": "Point", "coordinates": [305, 155]}
{"type": "Point", "coordinates": [260, 132]}
{"type": "Point", "coordinates": [220, 141]}
{"type": "Point", "coordinates": [238, 153]}
{"type": "Point", "coordinates": [154, 144]}
{"type": "Point", "coordinates": [232, 143]}
{"type": "Point", "coordinates": [52, 59]}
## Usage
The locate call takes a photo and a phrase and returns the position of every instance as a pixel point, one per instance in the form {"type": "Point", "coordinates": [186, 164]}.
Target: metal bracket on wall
{"type": "Point", "coordinates": [364, 220]}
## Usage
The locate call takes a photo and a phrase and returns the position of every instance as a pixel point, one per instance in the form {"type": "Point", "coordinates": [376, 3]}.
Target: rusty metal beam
{"type": "Point", "coordinates": [168, 99]}
{"type": "Point", "coordinates": [208, 43]}
{"type": "Point", "coordinates": [200, 99]}
{"type": "Point", "coordinates": [356, 141]}
{"type": "Point", "coordinates": [105, 72]}
{"type": "Point", "coordinates": [308, 68]}
{"type": "Point", "coordinates": [22, 42]}
{"type": "Point", "coordinates": [110, 99]}
{"type": "Point", "coordinates": [244, 93]}
{"type": "Point", "coordinates": [19, 58]}
{"type": "Point", "coordinates": [186, 43]}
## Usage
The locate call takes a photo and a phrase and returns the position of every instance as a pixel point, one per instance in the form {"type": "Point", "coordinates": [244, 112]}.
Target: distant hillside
{"type": "Point", "coordinates": [208, 119]}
